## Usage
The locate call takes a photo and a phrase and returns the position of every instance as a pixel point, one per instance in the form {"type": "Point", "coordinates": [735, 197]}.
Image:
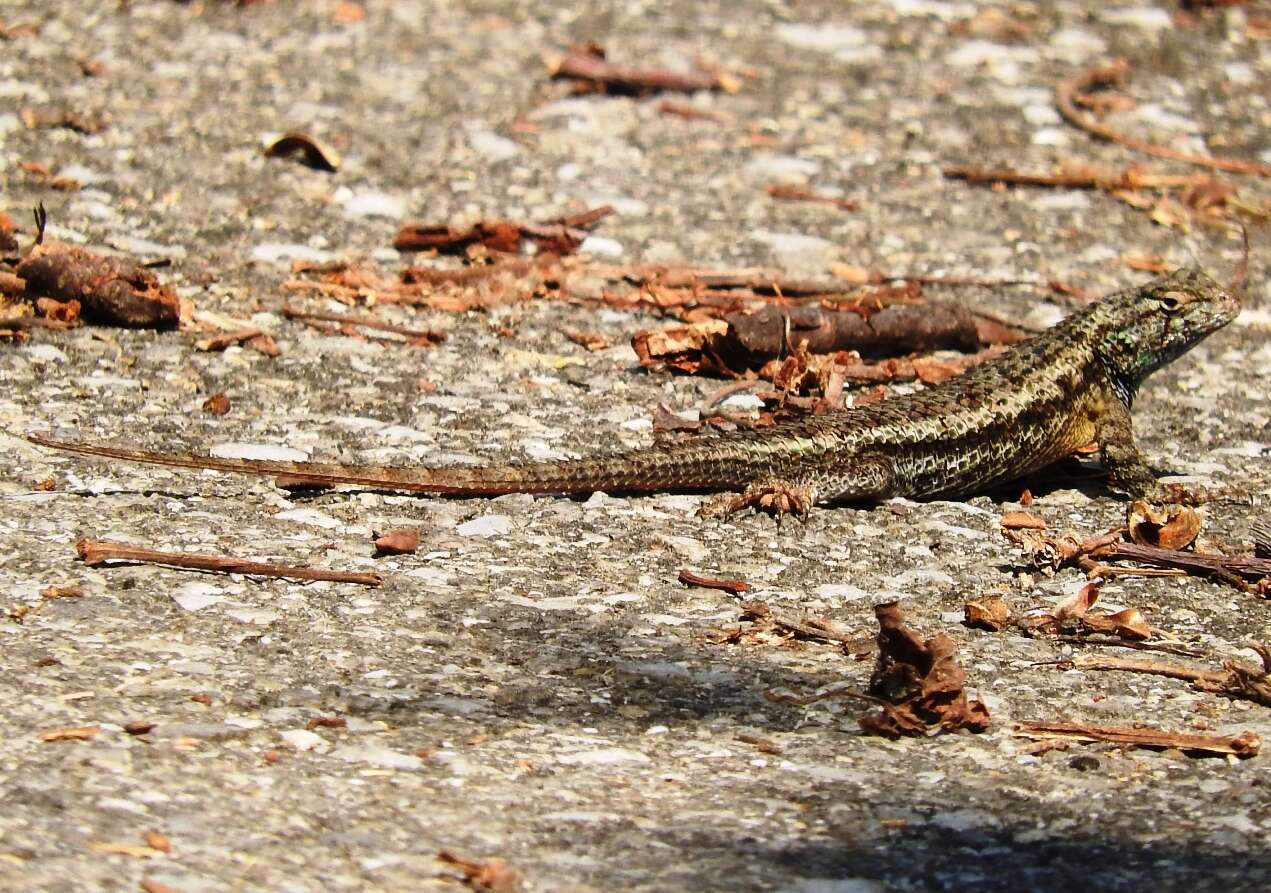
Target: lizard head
{"type": "Point", "coordinates": [1152, 325]}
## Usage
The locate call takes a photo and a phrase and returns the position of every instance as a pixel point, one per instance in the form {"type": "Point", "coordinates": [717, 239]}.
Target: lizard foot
{"type": "Point", "coordinates": [776, 496]}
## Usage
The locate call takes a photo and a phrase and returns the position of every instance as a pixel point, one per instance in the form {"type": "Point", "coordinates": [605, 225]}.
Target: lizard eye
{"type": "Point", "coordinates": [1171, 301]}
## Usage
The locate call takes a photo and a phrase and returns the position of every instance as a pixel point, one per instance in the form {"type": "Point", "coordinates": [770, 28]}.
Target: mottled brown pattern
{"type": "Point", "coordinates": [1040, 401]}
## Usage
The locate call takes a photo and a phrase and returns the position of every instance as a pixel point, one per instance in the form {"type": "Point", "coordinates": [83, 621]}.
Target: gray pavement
{"type": "Point", "coordinates": [534, 684]}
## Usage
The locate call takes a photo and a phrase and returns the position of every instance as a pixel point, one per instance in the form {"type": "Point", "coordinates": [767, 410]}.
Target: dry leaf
{"type": "Point", "coordinates": [401, 541]}
{"type": "Point", "coordinates": [1175, 527]}
{"type": "Point", "coordinates": [991, 613]}
{"type": "Point", "coordinates": [921, 680]}
{"type": "Point", "coordinates": [1022, 521]}
{"type": "Point", "coordinates": [217, 404]}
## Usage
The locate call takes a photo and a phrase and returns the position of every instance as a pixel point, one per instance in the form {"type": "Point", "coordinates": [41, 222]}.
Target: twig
{"type": "Point", "coordinates": [95, 552]}
{"type": "Point", "coordinates": [1115, 74]}
{"type": "Point", "coordinates": [816, 628]}
{"type": "Point", "coordinates": [799, 193]}
{"type": "Point", "coordinates": [1233, 680]}
{"type": "Point", "coordinates": [1246, 744]}
{"type": "Point", "coordinates": [1228, 568]}
{"type": "Point", "coordinates": [228, 339]}
{"type": "Point", "coordinates": [736, 587]}
{"type": "Point", "coordinates": [417, 336]}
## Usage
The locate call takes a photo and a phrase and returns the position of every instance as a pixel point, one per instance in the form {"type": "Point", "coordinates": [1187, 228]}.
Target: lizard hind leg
{"type": "Point", "coordinates": [868, 477]}
{"type": "Point", "coordinates": [776, 495]}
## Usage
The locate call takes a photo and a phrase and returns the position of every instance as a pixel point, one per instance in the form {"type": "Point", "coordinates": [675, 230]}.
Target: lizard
{"type": "Point", "coordinates": [1040, 400]}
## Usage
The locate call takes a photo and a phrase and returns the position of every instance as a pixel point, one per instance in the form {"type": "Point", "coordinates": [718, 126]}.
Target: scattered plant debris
{"type": "Point", "coordinates": [1244, 745]}
{"type": "Point", "coordinates": [97, 552]}
{"type": "Point", "coordinates": [591, 72]}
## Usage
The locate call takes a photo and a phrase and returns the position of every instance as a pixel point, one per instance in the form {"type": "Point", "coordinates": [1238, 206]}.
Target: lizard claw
{"type": "Point", "coordinates": [778, 497]}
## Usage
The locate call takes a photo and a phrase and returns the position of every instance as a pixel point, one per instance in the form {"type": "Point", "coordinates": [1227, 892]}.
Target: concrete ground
{"type": "Point", "coordinates": [534, 684]}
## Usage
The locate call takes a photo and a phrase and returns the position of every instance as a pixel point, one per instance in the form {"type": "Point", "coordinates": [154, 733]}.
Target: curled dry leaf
{"type": "Point", "coordinates": [311, 152]}
{"type": "Point", "coordinates": [1175, 527]}
{"type": "Point", "coordinates": [920, 680]}
{"type": "Point", "coordinates": [990, 613]}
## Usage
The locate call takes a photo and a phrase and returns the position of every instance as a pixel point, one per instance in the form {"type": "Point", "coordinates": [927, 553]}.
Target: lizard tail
{"type": "Point", "coordinates": [637, 471]}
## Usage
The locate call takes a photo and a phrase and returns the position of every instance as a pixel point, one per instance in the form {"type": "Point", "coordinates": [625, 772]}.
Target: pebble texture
{"type": "Point", "coordinates": [533, 683]}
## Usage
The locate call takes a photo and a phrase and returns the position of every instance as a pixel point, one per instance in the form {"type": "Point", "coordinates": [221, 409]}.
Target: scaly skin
{"type": "Point", "coordinates": [1041, 400]}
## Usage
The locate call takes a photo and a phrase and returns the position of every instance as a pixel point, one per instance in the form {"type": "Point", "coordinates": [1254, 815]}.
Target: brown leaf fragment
{"type": "Point", "coordinates": [683, 348]}
{"type": "Point", "coordinates": [399, 541]}
{"type": "Point", "coordinates": [139, 727]}
{"type": "Point", "coordinates": [224, 340]}
{"type": "Point", "coordinates": [992, 613]}
{"type": "Point", "coordinates": [110, 290]}
{"type": "Point", "coordinates": [1127, 624]}
{"type": "Point", "coordinates": [71, 733]}
{"type": "Point", "coordinates": [264, 343]}
{"type": "Point", "coordinates": [152, 886]}
{"type": "Point", "coordinates": [802, 194]}
{"type": "Point", "coordinates": [1245, 744]}
{"type": "Point", "coordinates": [593, 72]}
{"type": "Point", "coordinates": [921, 681]}
{"type": "Point", "coordinates": [492, 876]}
{"type": "Point", "coordinates": [114, 848]}
{"type": "Point", "coordinates": [311, 152]}
{"type": "Point", "coordinates": [1022, 521]}
{"type": "Point", "coordinates": [760, 743]}
{"type": "Point", "coordinates": [73, 590]}
{"type": "Point", "coordinates": [87, 123]}
{"type": "Point", "coordinates": [1076, 605]}
{"type": "Point", "coordinates": [555, 237]}
{"type": "Point", "coordinates": [327, 722]}
{"type": "Point", "coordinates": [736, 587]}
{"type": "Point", "coordinates": [665, 420]}
{"type": "Point", "coordinates": [157, 841]}
{"type": "Point", "coordinates": [1174, 527]}
{"type": "Point", "coordinates": [217, 404]}
{"type": "Point", "coordinates": [689, 112]}
{"type": "Point", "coordinates": [592, 341]}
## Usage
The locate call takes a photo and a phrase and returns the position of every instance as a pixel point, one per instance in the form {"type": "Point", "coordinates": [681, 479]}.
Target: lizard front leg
{"type": "Point", "coordinates": [1127, 468]}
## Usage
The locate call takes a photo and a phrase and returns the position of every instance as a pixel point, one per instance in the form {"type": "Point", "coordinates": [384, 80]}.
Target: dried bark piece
{"type": "Point", "coordinates": [110, 290]}
{"type": "Point", "coordinates": [920, 680]}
